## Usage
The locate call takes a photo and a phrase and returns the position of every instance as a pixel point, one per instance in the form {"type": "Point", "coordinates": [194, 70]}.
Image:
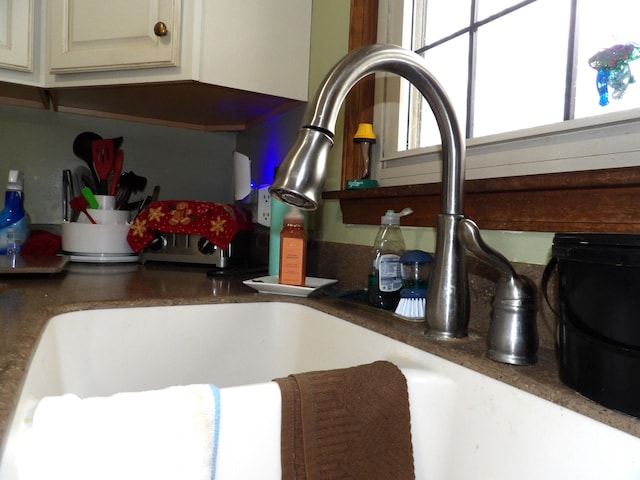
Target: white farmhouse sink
{"type": "Point", "coordinates": [464, 424]}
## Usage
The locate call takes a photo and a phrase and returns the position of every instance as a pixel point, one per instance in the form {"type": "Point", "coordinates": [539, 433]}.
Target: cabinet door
{"type": "Point", "coordinates": [258, 46]}
{"type": "Point", "coordinates": [16, 35]}
{"type": "Point", "coordinates": [96, 35]}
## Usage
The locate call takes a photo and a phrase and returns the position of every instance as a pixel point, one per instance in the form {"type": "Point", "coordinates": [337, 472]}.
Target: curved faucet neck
{"type": "Point", "coordinates": [300, 178]}
{"type": "Point", "coordinates": [322, 112]}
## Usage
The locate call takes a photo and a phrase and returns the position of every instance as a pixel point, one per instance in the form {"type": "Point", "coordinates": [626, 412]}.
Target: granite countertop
{"type": "Point", "coordinates": [27, 302]}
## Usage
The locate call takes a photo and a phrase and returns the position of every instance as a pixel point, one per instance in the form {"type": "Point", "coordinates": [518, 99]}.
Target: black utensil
{"type": "Point", "coordinates": [82, 148]}
{"type": "Point", "coordinates": [129, 183]}
{"type": "Point", "coordinates": [67, 195]}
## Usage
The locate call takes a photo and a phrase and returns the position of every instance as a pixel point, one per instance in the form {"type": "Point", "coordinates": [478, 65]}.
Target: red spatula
{"type": "Point", "coordinates": [102, 151]}
{"type": "Point", "coordinates": [80, 204]}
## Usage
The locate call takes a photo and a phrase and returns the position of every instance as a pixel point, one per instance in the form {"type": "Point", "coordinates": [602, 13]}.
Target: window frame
{"type": "Point", "coordinates": [612, 140]}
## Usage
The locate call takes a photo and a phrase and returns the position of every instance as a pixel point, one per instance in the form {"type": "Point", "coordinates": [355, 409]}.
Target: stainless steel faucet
{"type": "Point", "coordinates": [513, 336]}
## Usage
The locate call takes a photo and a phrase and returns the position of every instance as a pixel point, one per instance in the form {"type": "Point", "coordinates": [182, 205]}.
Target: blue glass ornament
{"type": "Point", "coordinates": [613, 69]}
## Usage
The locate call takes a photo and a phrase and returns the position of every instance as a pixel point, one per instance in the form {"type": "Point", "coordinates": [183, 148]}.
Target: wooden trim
{"type": "Point", "coordinates": [363, 29]}
{"type": "Point", "coordinates": [181, 104]}
{"type": "Point", "coordinates": [23, 95]}
{"type": "Point", "coordinates": [589, 201]}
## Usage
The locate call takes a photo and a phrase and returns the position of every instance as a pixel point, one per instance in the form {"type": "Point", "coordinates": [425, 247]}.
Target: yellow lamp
{"type": "Point", "coordinates": [365, 136]}
{"type": "Point", "coordinates": [365, 133]}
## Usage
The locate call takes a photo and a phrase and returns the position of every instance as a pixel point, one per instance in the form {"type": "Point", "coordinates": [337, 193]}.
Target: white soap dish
{"type": "Point", "coordinates": [269, 284]}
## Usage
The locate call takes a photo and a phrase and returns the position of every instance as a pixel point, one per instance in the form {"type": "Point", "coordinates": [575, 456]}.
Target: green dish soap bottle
{"type": "Point", "coordinates": [14, 222]}
{"type": "Point", "coordinates": [385, 280]}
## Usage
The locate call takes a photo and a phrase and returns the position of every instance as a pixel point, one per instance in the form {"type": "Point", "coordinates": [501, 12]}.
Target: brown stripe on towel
{"type": "Point", "coordinates": [346, 423]}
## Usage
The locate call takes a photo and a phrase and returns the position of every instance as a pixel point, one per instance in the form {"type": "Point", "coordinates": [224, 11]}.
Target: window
{"type": "Point", "coordinates": [518, 75]}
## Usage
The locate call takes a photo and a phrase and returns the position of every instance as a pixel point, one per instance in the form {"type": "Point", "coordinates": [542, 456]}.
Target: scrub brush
{"type": "Point", "coordinates": [412, 304]}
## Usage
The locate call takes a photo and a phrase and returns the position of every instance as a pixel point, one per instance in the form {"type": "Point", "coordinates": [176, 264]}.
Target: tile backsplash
{"type": "Point", "coordinates": [187, 164]}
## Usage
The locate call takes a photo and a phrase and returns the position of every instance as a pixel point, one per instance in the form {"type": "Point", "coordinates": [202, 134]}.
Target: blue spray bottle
{"type": "Point", "coordinates": [14, 222]}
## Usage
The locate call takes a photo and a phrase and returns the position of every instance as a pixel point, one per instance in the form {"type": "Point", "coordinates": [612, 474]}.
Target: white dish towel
{"type": "Point", "coordinates": [161, 434]}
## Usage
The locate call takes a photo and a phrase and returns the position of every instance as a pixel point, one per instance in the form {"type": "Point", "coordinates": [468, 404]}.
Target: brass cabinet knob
{"type": "Point", "coordinates": [160, 29]}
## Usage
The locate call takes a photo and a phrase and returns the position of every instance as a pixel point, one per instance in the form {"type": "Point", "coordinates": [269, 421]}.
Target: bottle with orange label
{"type": "Point", "coordinates": [293, 249]}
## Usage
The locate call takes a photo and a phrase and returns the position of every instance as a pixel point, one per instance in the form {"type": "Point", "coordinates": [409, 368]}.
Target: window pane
{"type": "Point", "coordinates": [448, 63]}
{"type": "Point", "coordinates": [520, 76]}
{"type": "Point", "coordinates": [443, 20]}
{"type": "Point", "coordinates": [602, 28]}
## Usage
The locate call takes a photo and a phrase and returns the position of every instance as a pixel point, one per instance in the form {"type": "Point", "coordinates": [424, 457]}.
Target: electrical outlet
{"type": "Point", "coordinates": [263, 214]}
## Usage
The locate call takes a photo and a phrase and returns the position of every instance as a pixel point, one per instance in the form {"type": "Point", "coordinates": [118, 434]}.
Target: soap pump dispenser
{"type": "Point", "coordinates": [385, 279]}
{"type": "Point", "coordinates": [14, 222]}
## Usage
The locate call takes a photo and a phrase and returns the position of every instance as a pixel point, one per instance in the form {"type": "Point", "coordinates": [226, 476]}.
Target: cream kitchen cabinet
{"type": "Point", "coordinates": [256, 45]}
{"type": "Point", "coordinates": [93, 42]}
{"type": "Point", "coordinates": [239, 62]}
{"type": "Point", "coordinates": [222, 65]}
{"type": "Point", "coordinates": [16, 35]}
{"type": "Point", "coordinates": [21, 60]}
{"type": "Point", "coordinates": [22, 73]}
{"type": "Point", "coordinates": [251, 45]}
{"type": "Point", "coordinates": [94, 35]}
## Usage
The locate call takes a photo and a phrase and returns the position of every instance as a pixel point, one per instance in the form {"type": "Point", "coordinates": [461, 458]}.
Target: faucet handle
{"type": "Point", "coordinates": [469, 235]}
{"type": "Point", "coordinates": [513, 333]}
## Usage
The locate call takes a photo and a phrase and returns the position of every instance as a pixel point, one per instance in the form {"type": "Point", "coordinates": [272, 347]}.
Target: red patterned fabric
{"type": "Point", "coordinates": [217, 222]}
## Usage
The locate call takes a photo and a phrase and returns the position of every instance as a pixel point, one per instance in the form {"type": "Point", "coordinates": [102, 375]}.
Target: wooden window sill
{"type": "Point", "coordinates": [589, 201]}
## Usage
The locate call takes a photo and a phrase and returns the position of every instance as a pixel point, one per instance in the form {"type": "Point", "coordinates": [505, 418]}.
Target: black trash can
{"type": "Point", "coordinates": [599, 327]}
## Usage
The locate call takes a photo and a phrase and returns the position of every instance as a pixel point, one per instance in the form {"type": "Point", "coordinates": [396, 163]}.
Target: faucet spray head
{"type": "Point", "coordinates": [300, 178]}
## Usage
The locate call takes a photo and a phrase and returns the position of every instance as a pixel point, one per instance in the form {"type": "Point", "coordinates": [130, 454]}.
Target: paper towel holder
{"type": "Point", "coordinates": [241, 176]}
